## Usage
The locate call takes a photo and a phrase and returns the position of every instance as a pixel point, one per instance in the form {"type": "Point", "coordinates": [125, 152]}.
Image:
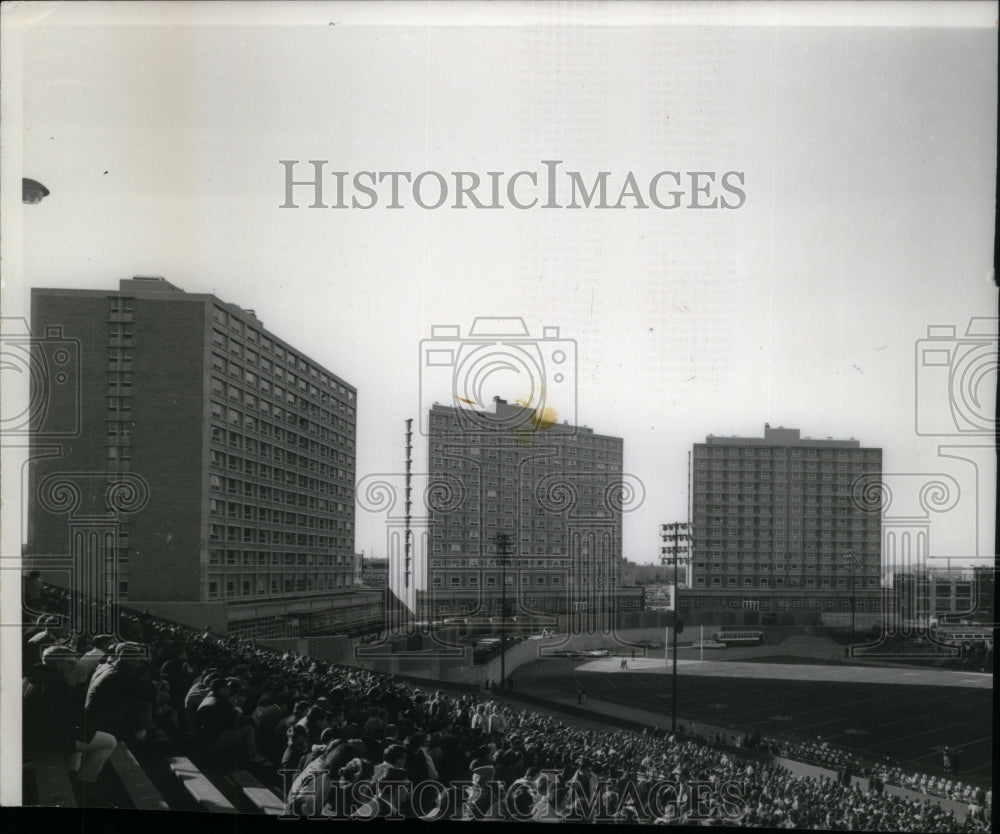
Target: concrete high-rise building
{"type": "Point", "coordinates": [241, 450]}
{"type": "Point", "coordinates": [554, 489]}
{"type": "Point", "coordinates": [781, 527]}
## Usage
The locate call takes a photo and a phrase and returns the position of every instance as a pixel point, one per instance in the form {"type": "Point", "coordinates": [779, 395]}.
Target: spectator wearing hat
{"type": "Point", "coordinates": [521, 797]}
{"type": "Point", "coordinates": [583, 779]}
{"type": "Point", "coordinates": [546, 808]}
{"type": "Point", "coordinates": [372, 735]}
{"type": "Point", "coordinates": [177, 671]}
{"type": "Point", "coordinates": [53, 633]}
{"type": "Point", "coordinates": [199, 690]}
{"type": "Point", "coordinates": [120, 695]}
{"type": "Point", "coordinates": [52, 718]}
{"type": "Point", "coordinates": [94, 656]}
{"type": "Point", "coordinates": [478, 803]}
{"type": "Point", "coordinates": [391, 783]}
{"type": "Point", "coordinates": [221, 726]}
{"type": "Point", "coordinates": [296, 748]}
{"type": "Point", "coordinates": [33, 591]}
{"type": "Point", "coordinates": [266, 714]}
{"type": "Point", "coordinates": [419, 765]}
{"type": "Point", "coordinates": [279, 738]}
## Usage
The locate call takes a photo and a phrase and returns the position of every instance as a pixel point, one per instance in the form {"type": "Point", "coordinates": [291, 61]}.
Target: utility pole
{"type": "Point", "coordinates": [676, 545]}
{"type": "Point", "coordinates": [503, 546]}
{"type": "Point", "coordinates": [852, 560]}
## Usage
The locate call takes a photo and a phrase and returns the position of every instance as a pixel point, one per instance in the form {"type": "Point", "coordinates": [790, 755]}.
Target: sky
{"type": "Point", "coordinates": [867, 155]}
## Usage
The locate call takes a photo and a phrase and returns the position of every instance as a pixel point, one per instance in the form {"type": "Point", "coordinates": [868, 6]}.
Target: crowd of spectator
{"type": "Point", "coordinates": [977, 656]}
{"type": "Point", "coordinates": [352, 743]}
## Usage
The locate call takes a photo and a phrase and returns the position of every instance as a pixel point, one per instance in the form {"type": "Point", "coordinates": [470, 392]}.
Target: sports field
{"type": "Point", "coordinates": [908, 714]}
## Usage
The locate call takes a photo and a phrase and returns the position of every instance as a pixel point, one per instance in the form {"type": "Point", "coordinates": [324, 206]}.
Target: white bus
{"type": "Point", "coordinates": [739, 637]}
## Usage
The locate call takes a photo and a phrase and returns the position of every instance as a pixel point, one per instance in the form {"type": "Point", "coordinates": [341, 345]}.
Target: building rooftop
{"type": "Point", "coordinates": [781, 436]}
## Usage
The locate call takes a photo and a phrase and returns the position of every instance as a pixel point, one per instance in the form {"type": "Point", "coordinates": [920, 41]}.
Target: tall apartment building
{"type": "Point", "coordinates": [777, 524]}
{"type": "Point", "coordinates": [553, 489]}
{"type": "Point", "coordinates": [243, 446]}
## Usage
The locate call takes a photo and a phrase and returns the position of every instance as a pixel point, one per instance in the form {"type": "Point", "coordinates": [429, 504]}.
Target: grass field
{"type": "Point", "coordinates": [910, 722]}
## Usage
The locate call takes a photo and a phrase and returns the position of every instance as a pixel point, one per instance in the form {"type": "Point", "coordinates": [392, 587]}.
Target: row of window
{"type": "Point", "coordinates": [527, 548]}
{"type": "Point", "coordinates": [749, 561]}
{"type": "Point", "coordinates": [277, 400]}
{"type": "Point", "coordinates": [467, 465]}
{"type": "Point", "coordinates": [812, 542]}
{"type": "Point", "coordinates": [254, 512]}
{"type": "Point", "coordinates": [701, 452]}
{"type": "Point", "coordinates": [263, 585]}
{"type": "Point", "coordinates": [259, 492]}
{"type": "Point", "coordinates": [235, 370]}
{"type": "Point", "coordinates": [492, 563]}
{"type": "Point", "coordinates": [441, 422]}
{"type": "Point", "coordinates": [119, 416]}
{"type": "Point", "coordinates": [290, 452]}
{"type": "Point", "coordinates": [778, 468]}
{"type": "Point", "coordinates": [246, 336]}
{"type": "Point", "coordinates": [219, 532]}
{"type": "Point", "coordinates": [516, 453]}
{"type": "Point", "coordinates": [451, 580]}
{"type": "Point", "coordinates": [234, 418]}
{"type": "Point", "coordinates": [218, 556]}
{"type": "Point", "coordinates": [265, 472]}
{"type": "Point", "coordinates": [781, 604]}
{"type": "Point", "coordinates": [780, 582]}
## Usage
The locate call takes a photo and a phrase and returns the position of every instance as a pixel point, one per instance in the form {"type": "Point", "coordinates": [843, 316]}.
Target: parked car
{"type": "Point", "coordinates": [707, 644]}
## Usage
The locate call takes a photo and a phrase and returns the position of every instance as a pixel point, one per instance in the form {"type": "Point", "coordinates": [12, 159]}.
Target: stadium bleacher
{"type": "Point", "coordinates": [374, 729]}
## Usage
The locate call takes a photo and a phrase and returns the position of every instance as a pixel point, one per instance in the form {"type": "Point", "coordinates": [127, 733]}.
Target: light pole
{"type": "Point", "coordinates": [850, 558]}
{"type": "Point", "coordinates": [676, 538]}
{"type": "Point", "coordinates": [503, 545]}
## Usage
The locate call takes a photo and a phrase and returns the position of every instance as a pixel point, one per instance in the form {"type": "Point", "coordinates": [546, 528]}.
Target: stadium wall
{"type": "Point", "coordinates": [195, 614]}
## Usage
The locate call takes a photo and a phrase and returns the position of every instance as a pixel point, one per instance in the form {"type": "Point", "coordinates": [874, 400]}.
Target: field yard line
{"type": "Point", "coordinates": [841, 708]}
{"type": "Point", "coordinates": [783, 705]}
{"type": "Point", "coordinates": [896, 739]}
{"type": "Point", "coordinates": [954, 747]}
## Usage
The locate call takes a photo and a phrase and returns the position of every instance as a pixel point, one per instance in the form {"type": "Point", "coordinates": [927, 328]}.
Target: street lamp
{"type": "Point", "coordinates": [850, 558]}
{"type": "Point", "coordinates": [676, 538]}
{"type": "Point", "coordinates": [503, 549]}
{"type": "Point", "coordinates": [32, 191]}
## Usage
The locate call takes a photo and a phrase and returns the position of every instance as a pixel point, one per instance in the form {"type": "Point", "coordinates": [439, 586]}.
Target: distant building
{"type": "Point", "coordinates": [636, 574]}
{"type": "Point", "coordinates": [779, 532]}
{"type": "Point", "coordinates": [375, 573]}
{"type": "Point", "coordinates": [944, 595]}
{"type": "Point", "coordinates": [245, 445]}
{"type": "Point", "coordinates": [553, 489]}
